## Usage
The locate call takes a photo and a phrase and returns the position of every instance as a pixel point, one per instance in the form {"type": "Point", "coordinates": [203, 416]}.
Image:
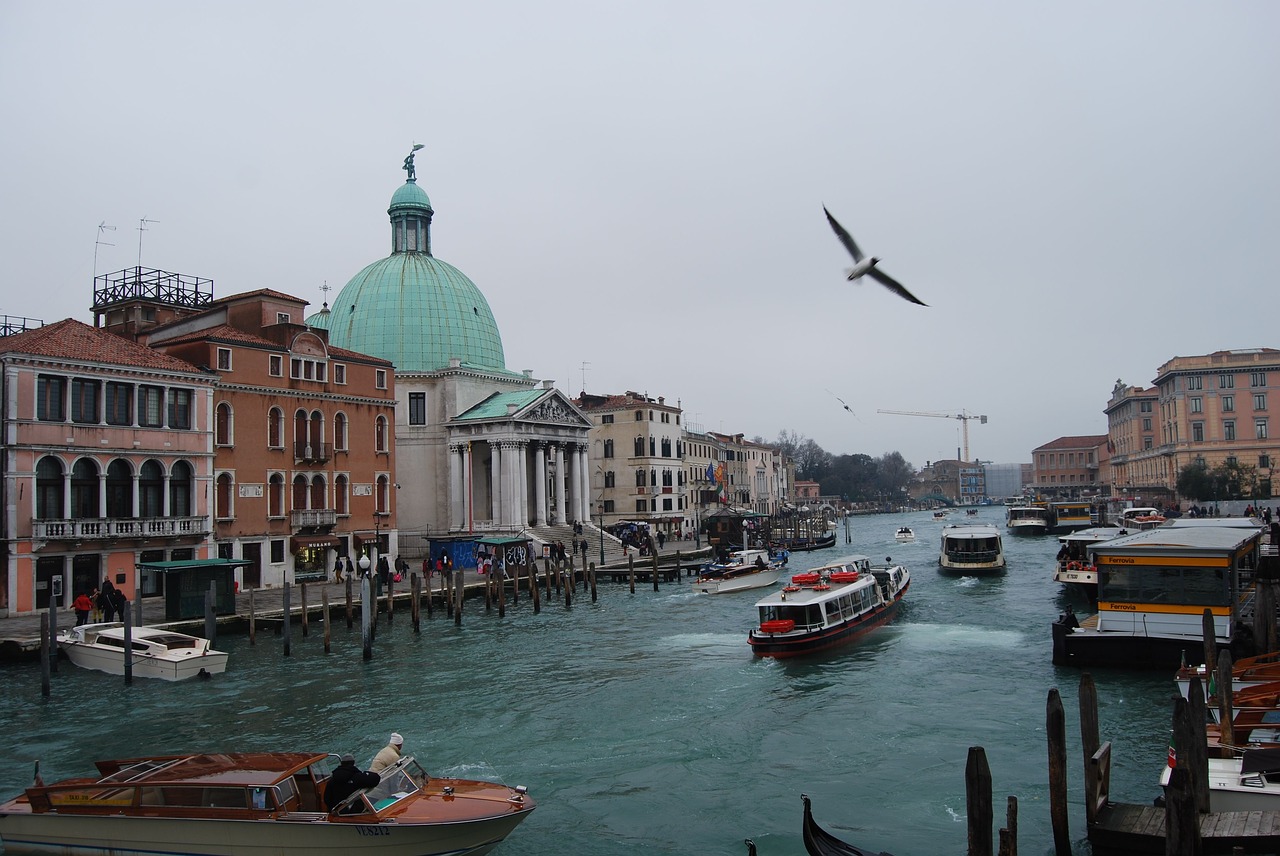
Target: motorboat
{"type": "Point", "coordinates": [1247, 781]}
{"type": "Point", "coordinates": [819, 842]}
{"type": "Point", "coordinates": [940, 515]}
{"type": "Point", "coordinates": [257, 804]}
{"type": "Point", "coordinates": [746, 569]}
{"type": "Point", "coordinates": [1074, 566]}
{"type": "Point", "coordinates": [1139, 518]}
{"type": "Point", "coordinates": [904, 535]}
{"type": "Point", "coordinates": [974, 548]}
{"type": "Point", "coordinates": [155, 652]}
{"type": "Point", "coordinates": [1027, 520]}
{"type": "Point", "coordinates": [827, 606]}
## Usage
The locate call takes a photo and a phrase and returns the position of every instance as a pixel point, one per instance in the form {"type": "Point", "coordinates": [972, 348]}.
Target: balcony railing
{"type": "Point", "coordinates": [312, 451]}
{"type": "Point", "coordinates": [314, 517]}
{"type": "Point", "coordinates": [101, 528]}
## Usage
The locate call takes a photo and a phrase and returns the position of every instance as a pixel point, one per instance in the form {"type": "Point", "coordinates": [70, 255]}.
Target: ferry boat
{"type": "Point", "coordinates": [1074, 565]}
{"type": "Point", "coordinates": [157, 653]}
{"type": "Point", "coordinates": [1027, 520]}
{"type": "Point", "coordinates": [746, 569]}
{"type": "Point", "coordinates": [1153, 589]}
{"type": "Point", "coordinates": [1070, 516]}
{"type": "Point", "coordinates": [257, 804]}
{"type": "Point", "coordinates": [975, 548]}
{"type": "Point", "coordinates": [828, 606]}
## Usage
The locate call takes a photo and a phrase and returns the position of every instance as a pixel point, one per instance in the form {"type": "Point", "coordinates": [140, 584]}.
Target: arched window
{"type": "Point", "coordinates": [383, 498]}
{"type": "Point", "coordinates": [119, 490]}
{"type": "Point", "coordinates": [84, 489]}
{"type": "Point", "coordinates": [653, 448]}
{"type": "Point", "coordinates": [609, 479]}
{"type": "Point", "coordinates": [316, 434]}
{"type": "Point", "coordinates": [639, 415]}
{"type": "Point", "coordinates": [380, 434]}
{"type": "Point", "coordinates": [222, 428]}
{"type": "Point", "coordinates": [300, 425]}
{"type": "Point", "coordinates": [151, 490]}
{"type": "Point", "coordinates": [340, 432]}
{"type": "Point", "coordinates": [666, 447]}
{"type": "Point", "coordinates": [640, 478]}
{"type": "Point", "coordinates": [340, 495]}
{"type": "Point", "coordinates": [666, 478]}
{"type": "Point", "coordinates": [180, 483]}
{"type": "Point", "coordinates": [275, 495]}
{"type": "Point", "coordinates": [222, 497]}
{"type": "Point", "coordinates": [639, 449]}
{"type": "Point", "coordinates": [49, 487]}
{"type": "Point", "coordinates": [275, 428]}
{"type": "Point", "coordinates": [653, 477]}
{"type": "Point", "coordinates": [318, 492]}
{"type": "Point", "coordinates": [299, 492]}
{"type": "Point", "coordinates": [608, 448]}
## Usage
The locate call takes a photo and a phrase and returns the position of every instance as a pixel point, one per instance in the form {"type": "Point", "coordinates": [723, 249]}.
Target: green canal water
{"type": "Point", "coordinates": [642, 723]}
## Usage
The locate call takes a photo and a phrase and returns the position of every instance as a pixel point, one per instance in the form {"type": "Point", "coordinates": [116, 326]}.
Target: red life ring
{"type": "Point", "coordinates": [777, 625]}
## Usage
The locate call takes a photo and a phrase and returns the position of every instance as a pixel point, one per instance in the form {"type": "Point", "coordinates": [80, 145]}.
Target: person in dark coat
{"type": "Point", "coordinates": [346, 780]}
{"type": "Point", "coordinates": [107, 601]}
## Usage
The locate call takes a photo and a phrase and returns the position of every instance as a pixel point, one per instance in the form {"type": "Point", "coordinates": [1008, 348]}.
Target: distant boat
{"type": "Point", "coordinates": [1028, 520]}
{"type": "Point", "coordinates": [819, 842]}
{"type": "Point", "coordinates": [157, 653]}
{"type": "Point", "coordinates": [904, 535]}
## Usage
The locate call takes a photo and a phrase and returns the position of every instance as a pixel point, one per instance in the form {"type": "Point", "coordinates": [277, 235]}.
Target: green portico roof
{"type": "Point", "coordinates": [495, 406]}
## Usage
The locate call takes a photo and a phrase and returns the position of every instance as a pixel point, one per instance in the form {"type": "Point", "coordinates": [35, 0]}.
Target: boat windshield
{"type": "Point", "coordinates": [400, 780]}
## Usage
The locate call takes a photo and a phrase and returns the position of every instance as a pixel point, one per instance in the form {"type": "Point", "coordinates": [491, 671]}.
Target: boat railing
{"type": "Point", "coordinates": [973, 555]}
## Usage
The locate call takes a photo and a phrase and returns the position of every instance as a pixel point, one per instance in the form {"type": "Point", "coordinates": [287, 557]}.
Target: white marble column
{"type": "Point", "coordinates": [560, 480]}
{"type": "Point", "coordinates": [508, 516]}
{"type": "Point", "coordinates": [522, 484]}
{"type": "Point", "coordinates": [457, 507]}
{"type": "Point", "coordinates": [495, 482]}
{"type": "Point", "coordinates": [540, 491]}
{"type": "Point", "coordinates": [584, 484]}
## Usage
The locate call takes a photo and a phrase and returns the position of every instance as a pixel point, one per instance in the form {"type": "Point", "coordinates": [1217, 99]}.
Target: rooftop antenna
{"type": "Point", "coordinates": [102, 227]}
{"type": "Point", "coordinates": [142, 227]}
{"type": "Point", "coordinates": [585, 363]}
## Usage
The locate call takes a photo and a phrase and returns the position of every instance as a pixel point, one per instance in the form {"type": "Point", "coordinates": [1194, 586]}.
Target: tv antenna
{"type": "Point", "coordinates": [584, 365]}
{"type": "Point", "coordinates": [102, 227]}
{"type": "Point", "coordinates": [142, 227]}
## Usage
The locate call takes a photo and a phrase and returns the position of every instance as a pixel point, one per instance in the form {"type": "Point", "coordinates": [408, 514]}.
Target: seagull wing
{"type": "Point", "coordinates": [845, 237]}
{"type": "Point", "coordinates": [894, 286]}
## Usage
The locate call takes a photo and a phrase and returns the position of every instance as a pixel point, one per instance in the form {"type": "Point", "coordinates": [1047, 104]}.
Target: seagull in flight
{"type": "Point", "coordinates": [846, 407]}
{"type": "Point", "coordinates": [867, 266]}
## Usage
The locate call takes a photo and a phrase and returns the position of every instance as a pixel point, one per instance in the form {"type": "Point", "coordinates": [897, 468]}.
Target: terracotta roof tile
{"type": "Point", "coordinates": [1086, 441]}
{"type": "Point", "coordinates": [261, 292]}
{"type": "Point", "coordinates": [75, 341]}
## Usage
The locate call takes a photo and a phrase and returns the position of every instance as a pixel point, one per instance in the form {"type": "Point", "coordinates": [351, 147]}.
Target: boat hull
{"type": "Point", "coordinates": [1084, 647]}
{"type": "Point", "coordinates": [783, 645]}
{"type": "Point", "coordinates": [760, 579]}
{"type": "Point", "coordinates": [305, 834]}
{"type": "Point", "coordinates": [112, 662]}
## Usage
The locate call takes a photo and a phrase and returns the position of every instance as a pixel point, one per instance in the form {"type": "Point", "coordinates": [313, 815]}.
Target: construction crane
{"type": "Point", "coordinates": [964, 416]}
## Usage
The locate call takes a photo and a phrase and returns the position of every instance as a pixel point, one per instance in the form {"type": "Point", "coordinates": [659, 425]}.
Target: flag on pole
{"type": "Point", "coordinates": [711, 472]}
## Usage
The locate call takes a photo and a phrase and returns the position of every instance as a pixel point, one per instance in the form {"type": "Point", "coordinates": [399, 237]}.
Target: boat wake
{"type": "Point", "coordinates": [949, 636]}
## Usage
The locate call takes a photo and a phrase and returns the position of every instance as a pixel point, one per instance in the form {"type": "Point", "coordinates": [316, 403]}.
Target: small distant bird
{"type": "Point", "coordinates": [846, 407]}
{"type": "Point", "coordinates": [867, 267]}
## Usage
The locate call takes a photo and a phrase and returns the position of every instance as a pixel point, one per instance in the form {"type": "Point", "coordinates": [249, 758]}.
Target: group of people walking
{"type": "Point", "coordinates": [100, 605]}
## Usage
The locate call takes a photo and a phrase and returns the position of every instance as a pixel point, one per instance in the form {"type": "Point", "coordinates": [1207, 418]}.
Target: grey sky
{"type": "Point", "coordinates": [1080, 191]}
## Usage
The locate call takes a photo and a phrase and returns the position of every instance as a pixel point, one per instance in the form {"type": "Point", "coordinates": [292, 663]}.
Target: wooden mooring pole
{"type": "Point", "coordinates": [349, 610]}
{"type": "Point", "coordinates": [210, 623]}
{"type": "Point", "coordinates": [415, 602]}
{"type": "Point", "coordinates": [592, 574]}
{"type": "Point", "coordinates": [460, 591]}
{"type": "Point", "coordinates": [1056, 730]}
{"type": "Point", "coordinates": [285, 624]}
{"type": "Point", "coordinates": [1089, 741]}
{"type": "Point", "coordinates": [253, 621]}
{"type": "Point", "coordinates": [324, 602]}
{"type": "Point", "coordinates": [44, 655]}
{"type": "Point", "coordinates": [631, 572]}
{"type": "Point", "coordinates": [569, 585]}
{"type": "Point", "coordinates": [654, 545]}
{"type": "Point", "coordinates": [1009, 832]}
{"type": "Point", "coordinates": [128, 648]}
{"type": "Point", "coordinates": [366, 622]}
{"type": "Point", "coordinates": [977, 791]}
{"type": "Point", "coordinates": [302, 596]}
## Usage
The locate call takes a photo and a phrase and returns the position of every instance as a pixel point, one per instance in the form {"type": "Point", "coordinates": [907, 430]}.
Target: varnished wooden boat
{"type": "Point", "coordinates": [819, 842]}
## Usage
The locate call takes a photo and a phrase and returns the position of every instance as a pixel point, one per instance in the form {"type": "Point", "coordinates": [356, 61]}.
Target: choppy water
{"type": "Point", "coordinates": [642, 723]}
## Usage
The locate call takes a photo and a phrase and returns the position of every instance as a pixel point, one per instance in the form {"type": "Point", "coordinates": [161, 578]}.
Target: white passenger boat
{"type": "Point", "coordinates": [156, 652]}
{"type": "Point", "coordinates": [1074, 565]}
{"type": "Point", "coordinates": [746, 569]}
{"type": "Point", "coordinates": [258, 804]}
{"type": "Point", "coordinates": [975, 548]}
{"type": "Point", "coordinates": [904, 535]}
{"type": "Point", "coordinates": [1250, 781]}
{"type": "Point", "coordinates": [1028, 520]}
{"type": "Point", "coordinates": [828, 606]}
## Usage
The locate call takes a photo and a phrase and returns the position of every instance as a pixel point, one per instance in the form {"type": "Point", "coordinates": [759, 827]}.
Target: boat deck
{"type": "Point", "coordinates": [1125, 828]}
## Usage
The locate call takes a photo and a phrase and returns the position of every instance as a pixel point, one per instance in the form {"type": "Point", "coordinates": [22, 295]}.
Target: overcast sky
{"type": "Point", "coordinates": [1080, 191]}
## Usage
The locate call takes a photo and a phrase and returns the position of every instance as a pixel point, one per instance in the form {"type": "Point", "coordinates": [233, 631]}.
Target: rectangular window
{"type": "Point", "coordinates": [150, 406]}
{"type": "Point", "coordinates": [1148, 443]}
{"type": "Point", "coordinates": [417, 408]}
{"type": "Point", "coordinates": [380, 379]}
{"type": "Point", "coordinates": [275, 365]}
{"type": "Point", "coordinates": [119, 404]}
{"type": "Point", "coordinates": [1228, 403]}
{"type": "Point", "coordinates": [1264, 462]}
{"type": "Point", "coordinates": [1257, 378]}
{"type": "Point", "coordinates": [339, 373]}
{"type": "Point", "coordinates": [1197, 404]}
{"type": "Point", "coordinates": [1260, 429]}
{"type": "Point", "coordinates": [1229, 430]}
{"type": "Point", "coordinates": [180, 408]}
{"type": "Point", "coordinates": [642, 505]}
{"type": "Point", "coordinates": [295, 368]}
{"type": "Point", "coordinates": [608, 506]}
{"type": "Point", "coordinates": [1197, 432]}
{"type": "Point", "coordinates": [1195, 382]}
{"type": "Point", "coordinates": [282, 317]}
{"type": "Point", "coordinates": [1226, 381]}
{"type": "Point", "coordinates": [606, 419]}
{"type": "Point", "coordinates": [50, 392]}
{"type": "Point", "coordinates": [1260, 401]}
{"type": "Point", "coordinates": [277, 551]}
{"type": "Point", "coordinates": [84, 400]}
{"type": "Point", "coordinates": [224, 359]}
{"type": "Point", "coordinates": [1146, 423]}
{"type": "Point", "coordinates": [1145, 407]}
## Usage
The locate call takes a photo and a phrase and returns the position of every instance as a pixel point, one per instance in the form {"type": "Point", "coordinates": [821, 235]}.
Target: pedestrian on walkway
{"type": "Point", "coordinates": [107, 600]}
{"type": "Point", "coordinates": [83, 607]}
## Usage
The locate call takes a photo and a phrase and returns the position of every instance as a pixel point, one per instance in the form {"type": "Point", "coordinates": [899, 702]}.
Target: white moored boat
{"type": "Point", "coordinates": [1250, 781]}
{"type": "Point", "coordinates": [156, 652]}
{"type": "Point", "coordinates": [258, 804]}
{"type": "Point", "coordinates": [746, 569]}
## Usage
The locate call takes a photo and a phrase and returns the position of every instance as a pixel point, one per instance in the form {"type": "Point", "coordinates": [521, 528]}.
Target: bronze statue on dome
{"type": "Point", "coordinates": [408, 163]}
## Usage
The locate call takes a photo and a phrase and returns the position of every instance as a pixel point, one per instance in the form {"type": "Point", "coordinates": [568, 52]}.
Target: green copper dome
{"type": "Point", "coordinates": [411, 308]}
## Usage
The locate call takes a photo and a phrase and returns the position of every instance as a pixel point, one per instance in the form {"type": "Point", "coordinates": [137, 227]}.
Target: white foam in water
{"type": "Point", "coordinates": [950, 636]}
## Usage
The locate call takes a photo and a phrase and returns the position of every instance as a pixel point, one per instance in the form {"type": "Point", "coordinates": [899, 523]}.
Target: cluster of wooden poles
{"type": "Point", "coordinates": [556, 577]}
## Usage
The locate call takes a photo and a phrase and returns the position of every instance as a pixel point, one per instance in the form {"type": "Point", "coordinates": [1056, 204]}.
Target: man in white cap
{"type": "Point", "coordinates": [388, 755]}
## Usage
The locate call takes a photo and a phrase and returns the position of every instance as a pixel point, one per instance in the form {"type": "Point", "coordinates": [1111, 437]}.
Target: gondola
{"type": "Point", "coordinates": [819, 842]}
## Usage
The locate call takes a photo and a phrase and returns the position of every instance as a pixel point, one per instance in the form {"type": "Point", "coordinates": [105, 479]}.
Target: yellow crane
{"type": "Point", "coordinates": [964, 416]}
